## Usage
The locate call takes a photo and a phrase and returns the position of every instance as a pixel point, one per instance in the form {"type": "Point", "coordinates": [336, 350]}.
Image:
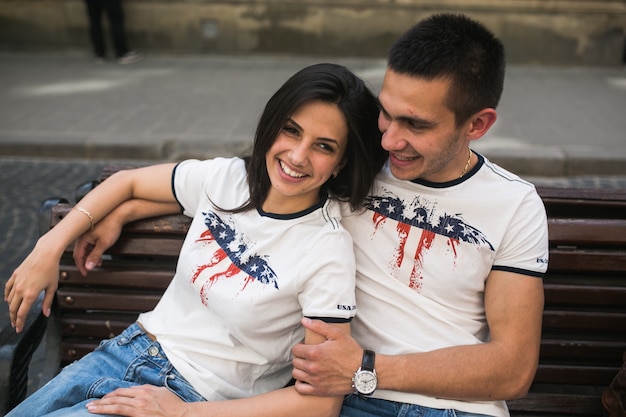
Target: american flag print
{"type": "Point", "coordinates": [415, 216]}
{"type": "Point", "coordinates": [232, 258]}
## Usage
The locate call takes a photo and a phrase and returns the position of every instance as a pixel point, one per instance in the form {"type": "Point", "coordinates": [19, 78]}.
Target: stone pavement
{"type": "Point", "coordinates": [552, 121]}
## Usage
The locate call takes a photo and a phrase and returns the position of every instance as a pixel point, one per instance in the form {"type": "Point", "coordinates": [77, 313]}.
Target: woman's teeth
{"type": "Point", "coordinates": [290, 172]}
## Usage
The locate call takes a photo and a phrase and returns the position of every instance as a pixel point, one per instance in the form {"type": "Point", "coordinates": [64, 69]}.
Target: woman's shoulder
{"type": "Point", "coordinates": [213, 163]}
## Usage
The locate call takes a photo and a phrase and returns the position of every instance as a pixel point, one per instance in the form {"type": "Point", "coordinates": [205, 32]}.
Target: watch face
{"type": "Point", "coordinates": [365, 382]}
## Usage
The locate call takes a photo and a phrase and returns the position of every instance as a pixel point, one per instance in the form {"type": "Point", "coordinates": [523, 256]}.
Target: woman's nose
{"type": "Point", "coordinates": [299, 154]}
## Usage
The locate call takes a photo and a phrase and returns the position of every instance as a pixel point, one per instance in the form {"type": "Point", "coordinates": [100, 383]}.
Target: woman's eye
{"type": "Point", "coordinates": [326, 147]}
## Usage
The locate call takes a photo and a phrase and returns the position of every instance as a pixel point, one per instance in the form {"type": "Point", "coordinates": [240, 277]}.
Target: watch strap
{"type": "Point", "coordinates": [367, 363]}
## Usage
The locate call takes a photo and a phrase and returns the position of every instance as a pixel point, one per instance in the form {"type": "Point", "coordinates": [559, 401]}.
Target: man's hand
{"type": "Point", "coordinates": [326, 368]}
{"type": "Point", "coordinates": [139, 401]}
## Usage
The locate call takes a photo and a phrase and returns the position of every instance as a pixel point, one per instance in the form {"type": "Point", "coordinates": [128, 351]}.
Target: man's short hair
{"type": "Point", "coordinates": [458, 48]}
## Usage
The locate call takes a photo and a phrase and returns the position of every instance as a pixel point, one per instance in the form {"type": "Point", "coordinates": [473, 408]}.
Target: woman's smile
{"type": "Point", "coordinates": [290, 172]}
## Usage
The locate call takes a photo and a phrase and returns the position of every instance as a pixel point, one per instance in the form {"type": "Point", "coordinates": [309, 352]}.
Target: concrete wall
{"type": "Point", "coordinates": [559, 32]}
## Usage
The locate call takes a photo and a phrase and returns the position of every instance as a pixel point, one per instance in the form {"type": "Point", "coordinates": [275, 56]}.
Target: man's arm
{"type": "Point", "coordinates": [502, 368]}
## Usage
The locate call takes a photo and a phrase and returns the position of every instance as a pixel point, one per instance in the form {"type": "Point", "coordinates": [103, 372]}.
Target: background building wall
{"type": "Point", "coordinates": [552, 32]}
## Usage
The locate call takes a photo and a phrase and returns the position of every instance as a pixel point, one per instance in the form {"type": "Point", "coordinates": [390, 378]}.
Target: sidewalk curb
{"type": "Point", "coordinates": [169, 149]}
{"type": "Point", "coordinates": [533, 161]}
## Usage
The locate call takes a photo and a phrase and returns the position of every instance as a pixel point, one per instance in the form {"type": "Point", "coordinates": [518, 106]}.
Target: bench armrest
{"type": "Point", "coordinates": [16, 351]}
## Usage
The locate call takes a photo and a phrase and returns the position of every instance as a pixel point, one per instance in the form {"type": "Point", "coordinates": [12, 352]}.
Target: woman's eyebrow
{"type": "Point", "coordinates": [325, 139]}
{"type": "Point", "coordinates": [293, 122]}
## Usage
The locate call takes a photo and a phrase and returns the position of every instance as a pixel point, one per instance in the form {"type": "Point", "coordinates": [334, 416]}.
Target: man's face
{"type": "Point", "coordinates": [419, 129]}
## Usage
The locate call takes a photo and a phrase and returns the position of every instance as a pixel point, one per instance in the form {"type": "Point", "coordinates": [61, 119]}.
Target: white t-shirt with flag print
{"type": "Point", "coordinates": [424, 251]}
{"type": "Point", "coordinates": [229, 318]}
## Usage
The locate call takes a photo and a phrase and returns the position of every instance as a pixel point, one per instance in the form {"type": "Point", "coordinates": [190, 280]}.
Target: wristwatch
{"type": "Point", "coordinates": [364, 380]}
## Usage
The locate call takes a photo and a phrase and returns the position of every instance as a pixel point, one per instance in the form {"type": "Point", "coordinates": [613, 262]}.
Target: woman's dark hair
{"type": "Point", "coordinates": [364, 156]}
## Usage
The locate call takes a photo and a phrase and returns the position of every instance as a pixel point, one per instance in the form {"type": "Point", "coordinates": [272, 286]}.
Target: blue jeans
{"type": "Point", "coordinates": [131, 358]}
{"type": "Point", "coordinates": [355, 406]}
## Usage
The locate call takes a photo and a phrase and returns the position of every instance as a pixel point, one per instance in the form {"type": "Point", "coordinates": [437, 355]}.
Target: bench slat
{"type": "Point", "coordinates": [574, 374]}
{"type": "Point", "coordinates": [583, 405]}
{"type": "Point", "coordinates": [585, 321]}
{"type": "Point", "coordinates": [174, 225]}
{"type": "Point", "coordinates": [147, 246]}
{"type": "Point", "coordinates": [581, 232]}
{"type": "Point", "coordinates": [96, 299]}
{"type": "Point", "coordinates": [95, 325]}
{"type": "Point", "coordinates": [575, 348]}
{"type": "Point", "coordinates": [118, 278]}
{"type": "Point", "coordinates": [72, 350]}
{"type": "Point", "coordinates": [578, 197]}
{"type": "Point", "coordinates": [587, 260]}
{"type": "Point", "coordinates": [586, 295]}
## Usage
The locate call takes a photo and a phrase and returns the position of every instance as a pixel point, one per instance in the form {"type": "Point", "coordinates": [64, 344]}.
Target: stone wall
{"type": "Point", "coordinates": [552, 32]}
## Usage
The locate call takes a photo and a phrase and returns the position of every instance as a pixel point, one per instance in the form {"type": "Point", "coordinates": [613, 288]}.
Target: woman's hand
{"type": "Point", "coordinates": [38, 272]}
{"type": "Point", "coordinates": [139, 401]}
{"type": "Point", "coordinates": [91, 245]}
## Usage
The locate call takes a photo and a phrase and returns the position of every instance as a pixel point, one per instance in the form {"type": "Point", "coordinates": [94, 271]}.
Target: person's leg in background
{"type": "Point", "coordinates": [94, 14]}
{"type": "Point", "coordinates": [115, 14]}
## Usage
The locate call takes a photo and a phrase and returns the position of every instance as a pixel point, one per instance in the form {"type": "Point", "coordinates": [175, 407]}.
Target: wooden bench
{"type": "Point", "coordinates": [584, 321]}
{"type": "Point", "coordinates": [584, 327]}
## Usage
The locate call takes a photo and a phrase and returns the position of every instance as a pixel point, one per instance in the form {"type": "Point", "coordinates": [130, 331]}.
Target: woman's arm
{"type": "Point", "coordinates": [40, 270]}
{"type": "Point", "coordinates": [146, 400]}
{"type": "Point", "coordinates": [90, 246]}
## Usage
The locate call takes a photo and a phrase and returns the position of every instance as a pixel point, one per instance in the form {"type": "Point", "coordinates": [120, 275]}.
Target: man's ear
{"type": "Point", "coordinates": [480, 123]}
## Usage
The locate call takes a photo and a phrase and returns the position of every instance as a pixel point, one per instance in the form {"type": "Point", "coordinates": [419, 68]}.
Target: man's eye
{"type": "Point", "coordinates": [415, 125]}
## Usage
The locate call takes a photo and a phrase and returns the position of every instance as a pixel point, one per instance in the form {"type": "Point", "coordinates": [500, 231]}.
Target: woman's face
{"type": "Point", "coordinates": [308, 150]}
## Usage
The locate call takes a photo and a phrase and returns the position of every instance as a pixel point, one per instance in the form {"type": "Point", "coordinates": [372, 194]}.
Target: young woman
{"type": "Point", "coordinates": [265, 248]}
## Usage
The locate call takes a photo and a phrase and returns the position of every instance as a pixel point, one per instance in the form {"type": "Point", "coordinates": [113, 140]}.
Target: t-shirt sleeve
{"type": "Point", "coordinates": [525, 245]}
{"type": "Point", "coordinates": [194, 181]}
{"type": "Point", "coordinates": [328, 288]}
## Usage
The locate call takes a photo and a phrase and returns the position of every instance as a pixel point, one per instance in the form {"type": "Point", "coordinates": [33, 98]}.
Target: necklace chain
{"type": "Point", "coordinates": [469, 158]}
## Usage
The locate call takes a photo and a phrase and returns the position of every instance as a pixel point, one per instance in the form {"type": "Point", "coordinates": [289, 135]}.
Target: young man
{"type": "Point", "coordinates": [450, 251]}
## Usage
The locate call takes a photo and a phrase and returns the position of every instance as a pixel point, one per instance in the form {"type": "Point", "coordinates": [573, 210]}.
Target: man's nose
{"type": "Point", "coordinates": [392, 137]}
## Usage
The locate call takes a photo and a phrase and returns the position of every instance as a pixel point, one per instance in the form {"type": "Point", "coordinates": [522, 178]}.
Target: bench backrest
{"type": "Point", "coordinates": [134, 274]}
{"type": "Point", "coordinates": [584, 323]}
{"type": "Point", "coordinates": [584, 320]}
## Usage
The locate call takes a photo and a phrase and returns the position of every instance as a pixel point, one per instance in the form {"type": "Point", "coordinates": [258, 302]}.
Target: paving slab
{"type": "Point", "coordinates": [554, 121]}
